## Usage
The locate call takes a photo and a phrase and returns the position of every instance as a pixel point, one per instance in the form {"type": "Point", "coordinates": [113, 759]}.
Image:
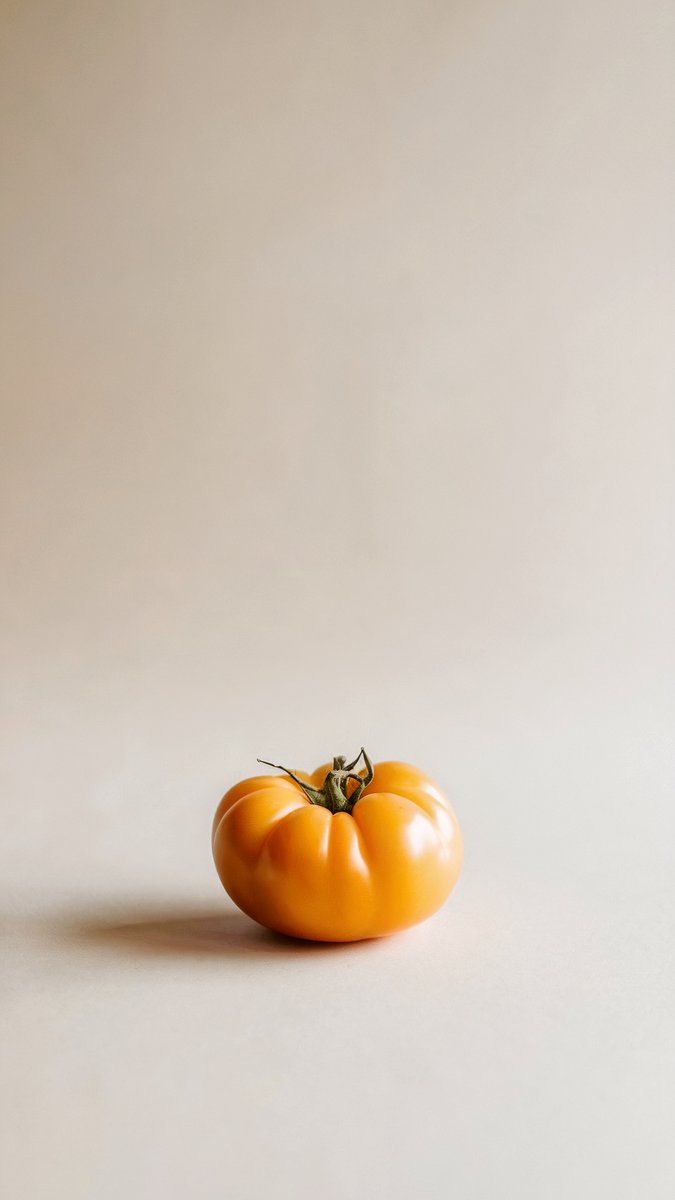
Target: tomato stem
{"type": "Point", "coordinates": [334, 794]}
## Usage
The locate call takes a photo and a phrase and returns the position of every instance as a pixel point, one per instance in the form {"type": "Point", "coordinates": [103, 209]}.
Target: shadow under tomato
{"type": "Point", "coordinates": [215, 933]}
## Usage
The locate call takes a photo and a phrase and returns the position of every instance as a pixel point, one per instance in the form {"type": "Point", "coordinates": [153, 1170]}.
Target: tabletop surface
{"type": "Point", "coordinates": [154, 1040]}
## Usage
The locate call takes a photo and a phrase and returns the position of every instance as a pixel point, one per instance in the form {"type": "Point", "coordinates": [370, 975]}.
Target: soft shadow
{"type": "Point", "coordinates": [202, 933]}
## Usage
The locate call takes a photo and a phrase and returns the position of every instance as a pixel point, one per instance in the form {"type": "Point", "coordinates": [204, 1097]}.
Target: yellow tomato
{"type": "Point", "coordinates": [338, 856]}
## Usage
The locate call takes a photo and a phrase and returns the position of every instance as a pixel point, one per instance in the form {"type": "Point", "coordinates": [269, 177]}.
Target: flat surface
{"type": "Point", "coordinates": [155, 1042]}
{"type": "Point", "coordinates": [337, 377]}
{"type": "Point", "coordinates": [521, 1041]}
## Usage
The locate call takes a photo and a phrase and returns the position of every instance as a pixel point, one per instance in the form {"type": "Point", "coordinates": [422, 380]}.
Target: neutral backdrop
{"type": "Point", "coordinates": [337, 372]}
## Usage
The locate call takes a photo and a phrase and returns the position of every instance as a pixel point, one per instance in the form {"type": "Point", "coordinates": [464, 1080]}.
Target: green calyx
{"type": "Point", "coordinates": [334, 793]}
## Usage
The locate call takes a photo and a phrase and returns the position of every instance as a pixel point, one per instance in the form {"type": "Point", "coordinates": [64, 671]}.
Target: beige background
{"type": "Point", "coordinates": [337, 378]}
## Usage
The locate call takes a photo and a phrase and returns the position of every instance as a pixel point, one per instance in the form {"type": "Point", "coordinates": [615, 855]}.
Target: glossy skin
{"type": "Point", "coordinates": [302, 870]}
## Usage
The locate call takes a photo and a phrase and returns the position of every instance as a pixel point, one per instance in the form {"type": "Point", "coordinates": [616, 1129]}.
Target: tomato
{"type": "Point", "coordinates": [338, 856]}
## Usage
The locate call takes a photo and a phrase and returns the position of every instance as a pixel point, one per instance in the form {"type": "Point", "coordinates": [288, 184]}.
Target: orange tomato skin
{"type": "Point", "coordinates": [304, 871]}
